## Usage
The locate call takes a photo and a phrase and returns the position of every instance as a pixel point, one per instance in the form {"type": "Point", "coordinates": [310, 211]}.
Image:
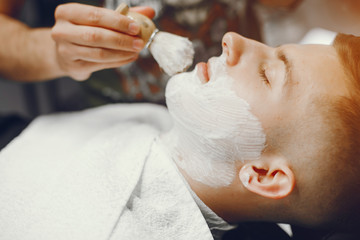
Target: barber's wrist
{"type": "Point", "coordinates": [51, 68]}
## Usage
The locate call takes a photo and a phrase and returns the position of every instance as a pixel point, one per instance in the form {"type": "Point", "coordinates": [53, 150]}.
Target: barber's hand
{"type": "Point", "coordinates": [91, 38]}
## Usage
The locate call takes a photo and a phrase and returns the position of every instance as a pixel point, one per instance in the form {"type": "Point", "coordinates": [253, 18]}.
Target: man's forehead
{"type": "Point", "coordinates": [315, 72]}
{"type": "Point", "coordinates": [316, 69]}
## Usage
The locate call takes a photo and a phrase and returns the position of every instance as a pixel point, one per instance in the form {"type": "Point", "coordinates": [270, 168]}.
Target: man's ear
{"type": "Point", "coordinates": [272, 178]}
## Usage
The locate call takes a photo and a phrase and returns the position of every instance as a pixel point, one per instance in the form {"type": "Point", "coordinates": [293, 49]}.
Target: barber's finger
{"type": "Point", "coordinates": [82, 14]}
{"type": "Point", "coordinates": [100, 66]}
{"type": "Point", "coordinates": [102, 55]}
{"type": "Point", "coordinates": [96, 37]}
{"type": "Point", "coordinates": [147, 11]}
{"type": "Point", "coordinates": [84, 69]}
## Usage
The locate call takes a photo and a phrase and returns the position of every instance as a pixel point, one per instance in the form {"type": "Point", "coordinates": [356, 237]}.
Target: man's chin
{"type": "Point", "coordinates": [178, 85]}
{"type": "Point", "coordinates": [185, 78]}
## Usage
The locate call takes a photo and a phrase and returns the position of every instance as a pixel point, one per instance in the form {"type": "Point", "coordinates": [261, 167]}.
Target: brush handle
{"type": "Point", "coordinates": [147, 26]}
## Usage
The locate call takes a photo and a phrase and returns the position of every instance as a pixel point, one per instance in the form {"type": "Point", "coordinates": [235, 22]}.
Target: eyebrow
{"type": "Point", "coordinates": [281, 54]}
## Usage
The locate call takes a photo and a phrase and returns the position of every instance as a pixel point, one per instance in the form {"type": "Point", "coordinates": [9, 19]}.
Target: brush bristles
{"type": "Point", "coordinates": [173, 53]}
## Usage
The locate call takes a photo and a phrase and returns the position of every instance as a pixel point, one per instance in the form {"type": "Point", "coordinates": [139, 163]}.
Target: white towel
{"type": "Point", "coordinates": [80, 175]}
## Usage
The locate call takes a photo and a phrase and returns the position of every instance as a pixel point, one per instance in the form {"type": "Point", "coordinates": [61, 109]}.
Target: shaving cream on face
{"type": "Point", "coordinates": [213, 127]}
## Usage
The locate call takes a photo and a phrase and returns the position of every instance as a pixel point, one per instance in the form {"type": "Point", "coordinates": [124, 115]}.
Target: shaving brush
{"type": "Point", "coordinates": [173, 53]}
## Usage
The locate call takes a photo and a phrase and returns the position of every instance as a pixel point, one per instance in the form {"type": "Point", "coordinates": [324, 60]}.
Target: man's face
{"type": "Point", "coordinates": [286, 88]}
{"type": "Point", "coordinates": [282, 87]}
{"type": "Point", "coordinates": [280, 83]}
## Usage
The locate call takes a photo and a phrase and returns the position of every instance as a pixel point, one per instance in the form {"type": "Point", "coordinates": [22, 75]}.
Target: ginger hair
{"type": "Point", "coordinates": [347, 114]}
{"type": "Point", "coordinates": [348, 108]}
{"type": "Point", "coordinates": [332, 154]}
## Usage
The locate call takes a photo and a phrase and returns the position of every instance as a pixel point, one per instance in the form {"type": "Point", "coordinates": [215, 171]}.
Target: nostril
{"type": "Point", "coordinates": [225, 49]}
{"type": "Point", "coordinates": [232, 47]}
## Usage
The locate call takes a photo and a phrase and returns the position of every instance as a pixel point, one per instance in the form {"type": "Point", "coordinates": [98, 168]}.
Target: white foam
{"type": "Point", "coordinates": [213, 126]}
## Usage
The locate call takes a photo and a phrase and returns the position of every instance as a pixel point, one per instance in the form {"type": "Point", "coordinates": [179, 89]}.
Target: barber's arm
{"type": "Point", "coordinates": [84, 39]}
{"type": "Point", "coordinates": [25, 54]}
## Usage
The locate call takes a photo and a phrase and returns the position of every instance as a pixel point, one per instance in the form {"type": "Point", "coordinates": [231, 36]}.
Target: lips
{"type": "Point", "coordinates": [203, 72]}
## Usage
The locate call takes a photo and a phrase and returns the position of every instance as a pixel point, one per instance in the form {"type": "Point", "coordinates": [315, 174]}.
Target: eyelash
{"type": "Point", "coordinates": [263, 76]}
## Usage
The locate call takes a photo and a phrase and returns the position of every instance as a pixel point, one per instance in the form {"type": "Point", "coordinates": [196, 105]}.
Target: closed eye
{"type": "Point", "coordinates": [262, 74]}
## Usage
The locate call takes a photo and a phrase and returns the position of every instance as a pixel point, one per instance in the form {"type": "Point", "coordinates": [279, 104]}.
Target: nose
{"type": "Point", "coordinates": [233, 45]}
